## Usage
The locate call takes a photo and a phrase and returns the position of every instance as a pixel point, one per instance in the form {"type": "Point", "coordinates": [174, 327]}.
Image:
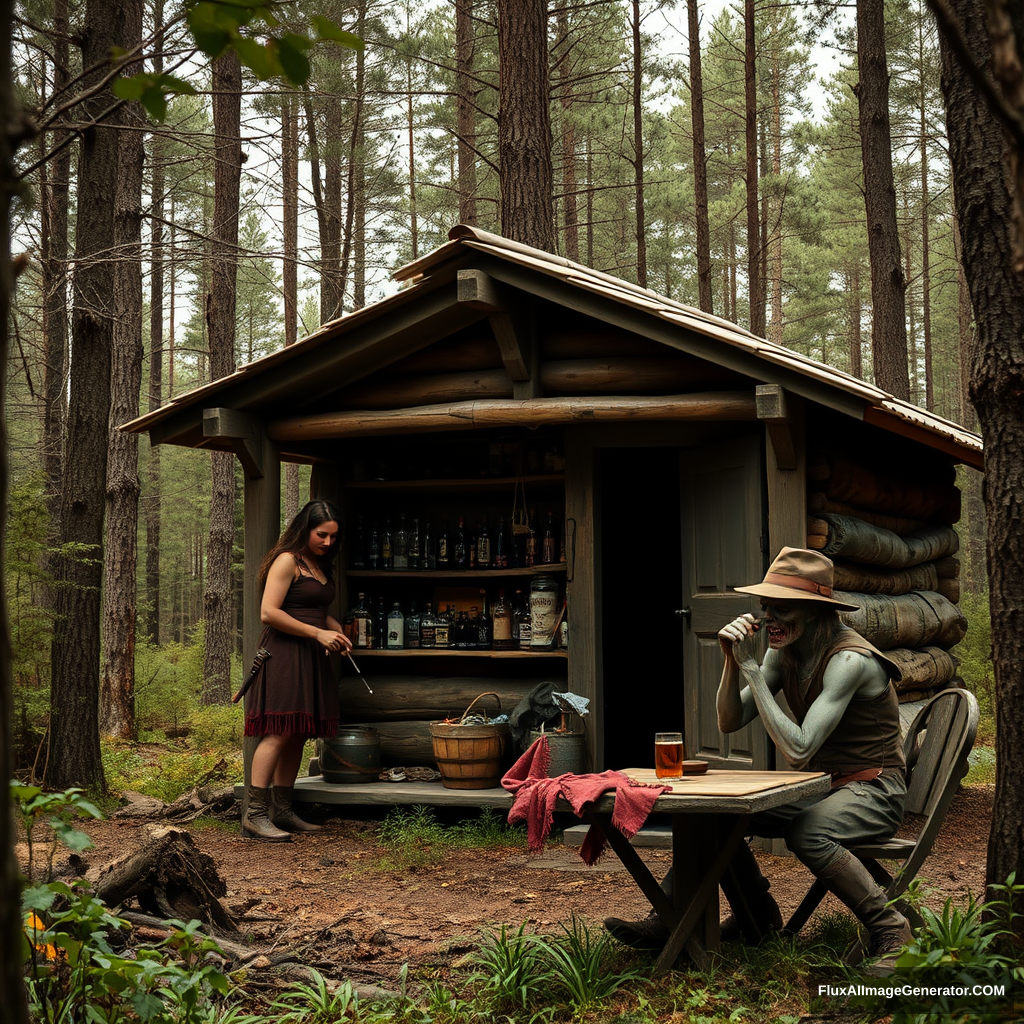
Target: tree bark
{"type": "Point", "coordinates": [888, 284]}
{"type": "Point", "coordinates": [570, 212]}
{"type": "Point", "coordinates": [984, 208]}
{"type": "Point", "coordinates": [220, 320]}
{"type": "Point", "coordinates": [117, 678]}
{"type": "Point", "coordinates": [75, 657]}
{"type": "Point", "coordinates": [289, 268]}
{"type": "Point", "coordinates": [524, 125]}
{"type": "Point", "coordinates": [755, 283]}
{"type": "Point", "coordinates": [638, 149]}
{"type": "Point", "coordinates": [466, 93]}
{"type": "Point", "coordinates": [331, 287]}
{"type": "Point", "coordinates": [705, 293]}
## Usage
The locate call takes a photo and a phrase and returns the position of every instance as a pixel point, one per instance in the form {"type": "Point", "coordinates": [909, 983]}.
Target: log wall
{"type": "Point", "coordinates": [889, 532]}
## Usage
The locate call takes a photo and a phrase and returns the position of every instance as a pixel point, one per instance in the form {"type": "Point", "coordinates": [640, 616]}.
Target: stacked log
{"type": "Point", "coordinates": [889, 534]}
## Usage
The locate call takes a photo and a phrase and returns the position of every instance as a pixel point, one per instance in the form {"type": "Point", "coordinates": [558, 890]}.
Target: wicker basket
{"type": "Point", "coordinates": [469, 756]}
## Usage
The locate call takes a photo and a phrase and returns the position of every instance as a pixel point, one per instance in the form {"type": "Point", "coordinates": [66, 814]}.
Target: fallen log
{"type": "Point", "coordinates": [853, 540]}
{"type": "Point", "coordinates": [893, 493]}
{"type": "Point", "coordinates": [818, 503]}
{"type": "Point", "coordinates": [919, 619]}
{"type": "Point", "coordinates": [170, 877]}
{"type": "Point", "coordinates": [925, 668]}
{"type": "Point", "coordinates": [865, 580]}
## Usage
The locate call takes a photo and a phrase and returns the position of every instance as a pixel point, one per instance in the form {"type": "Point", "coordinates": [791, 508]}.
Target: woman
{"type": "Point", "coordinates": [295, 695]}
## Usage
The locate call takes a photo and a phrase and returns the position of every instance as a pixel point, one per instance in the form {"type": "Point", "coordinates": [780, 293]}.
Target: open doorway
{"type": "Point", "coordinates": [640, 589]}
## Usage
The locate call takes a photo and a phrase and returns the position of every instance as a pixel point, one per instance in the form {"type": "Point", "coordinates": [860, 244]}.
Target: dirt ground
{"type": "Point", "coordinates": [325, 898]}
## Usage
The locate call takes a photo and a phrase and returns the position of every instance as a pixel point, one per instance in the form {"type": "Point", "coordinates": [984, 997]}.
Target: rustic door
{"type": "Point", "coordinates": [721, 513]}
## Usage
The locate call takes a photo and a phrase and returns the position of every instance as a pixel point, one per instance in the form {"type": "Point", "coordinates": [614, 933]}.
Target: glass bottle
{"type": "Point", "coordinates": [380, 625]}
{"type": "Point", "coordinates": [414, 545]}
{"type": "Point", "coordinates": [472, 540]}
{"type": "Point", "coordinates": [400, 547]}
{"type": "Point", "coordinates": [460, 635]}
{"type": "Point", "coordinates": [460, 551]}
{"type": "Point", "coordinates": [428, 628]}
{"type": "Point", "coordinates": [412, 626]}
{"type": "Point", "coordinates": [525, 625]}
{"type": "Point", "coordinates": [428, 558]}
{"type": "Point", "coordinates": [563, 631]}
{"type": "Point", "coordinates": [516, 613]}
{"type": "Point", "coordinates": [544, 608]}
{"type": "Point", "coordinates": [530, 554]}
{"type": "Point", "coordinates": [443, 622]}
{"type": "Point", "coordinates": [502, 634]}
{"type": "Point", "coordinates": [359, 547]}
{"type": "Point", "coordinates": [387, 554]}
{"type": "Point", "coordinates": [396, 628]}
{"type": "Point", "coordinates": [373, 556]}
{"type": "Point", "coordinates": [444, 561]}
{"type": "Point", "coordinates": [483, 547]}
{"type": "Point", "coordinates": [485, 625]}
{"type": "Point", "coordinates": [500, 557]}
{"type": "Point", "coordinates": [361, 622]}
{"type": "Point", "coordinates": [547, 554]}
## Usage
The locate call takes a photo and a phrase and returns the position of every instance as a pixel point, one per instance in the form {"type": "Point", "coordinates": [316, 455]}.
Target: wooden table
{"type": "Point", "coordinates": [709, 815]}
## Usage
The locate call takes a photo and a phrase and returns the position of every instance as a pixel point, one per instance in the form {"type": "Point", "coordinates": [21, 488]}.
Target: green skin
{"type": "Point", "coordinates": [793, 625]}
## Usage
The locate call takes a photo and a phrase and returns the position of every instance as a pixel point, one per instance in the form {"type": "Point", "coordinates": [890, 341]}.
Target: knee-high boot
{"type": "Point", "coordinates": [888, 930]}
{"type": "Point", "coordinates": [256, 823]}
{"type": "Point", "coordinates": [282, 813]}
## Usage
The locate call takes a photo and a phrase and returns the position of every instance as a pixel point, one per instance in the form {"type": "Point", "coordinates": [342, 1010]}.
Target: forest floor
{"type": "Point", "coordinates": [332, 900]}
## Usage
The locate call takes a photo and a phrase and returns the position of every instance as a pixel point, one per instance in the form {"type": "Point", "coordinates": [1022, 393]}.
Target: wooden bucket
{"type": "Point", "coordinates": [469, 756]}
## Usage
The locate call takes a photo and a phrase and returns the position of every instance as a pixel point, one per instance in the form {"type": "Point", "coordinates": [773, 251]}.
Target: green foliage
{"type": "Point", "coordinates": [59, 811]}
{"type": "Point", "coordinates": [509, 970]}
{"type": "Point", "coordinates": [413, 837]}
{"type": "Point", "coordinates": [959, 948]}
{"type": "Point", "coordinates": [975, 654]}
{"type": "Point", "coordinates": [315, 1003]}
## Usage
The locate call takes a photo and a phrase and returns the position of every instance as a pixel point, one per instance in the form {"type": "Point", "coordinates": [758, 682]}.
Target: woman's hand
{"type": "Point", "coordinates": [736, 638]}
{"type": "Point", "coordinates": [333, 640]}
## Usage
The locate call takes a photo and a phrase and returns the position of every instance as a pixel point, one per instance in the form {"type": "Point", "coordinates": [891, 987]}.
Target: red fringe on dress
{"type": "Point", "coordinates": [297, 723]}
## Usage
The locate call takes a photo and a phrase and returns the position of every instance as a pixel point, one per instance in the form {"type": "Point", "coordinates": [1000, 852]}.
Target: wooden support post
{"type": "Point", "coordinates": [245, 433]}
{"type": "Point", "coordinates": [773, 410]}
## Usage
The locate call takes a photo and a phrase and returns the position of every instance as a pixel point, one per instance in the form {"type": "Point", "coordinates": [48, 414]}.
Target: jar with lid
{"type": "Point", "coordinates": [544, 607]}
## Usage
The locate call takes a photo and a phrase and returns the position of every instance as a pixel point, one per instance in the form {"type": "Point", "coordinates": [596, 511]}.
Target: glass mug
{"type": "Point", "coordinates": [668, 755]}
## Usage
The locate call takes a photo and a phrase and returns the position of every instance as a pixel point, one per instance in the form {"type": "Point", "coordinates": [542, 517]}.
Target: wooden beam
{"type": "Point", "coordinates": [245, 433]}
{"type": "Point", "coordinates": [718, 405]}
{"type": "Point", "coordinates": [510, 321]}
{"type": "Point", "coordinates": [773, 410]}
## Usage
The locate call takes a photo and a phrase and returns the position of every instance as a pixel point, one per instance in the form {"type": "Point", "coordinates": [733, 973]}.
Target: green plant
{"type": "Point", "coordinates": [315, 1003]}
{"type": "Point", "coordinates": [509, 972]}
{"type": "Point", "coordinates": [56, 810]}
{"type": "Point", "coordinates": [975, 655]}
{"type": "Point", "coordinates": [581, 965]}
{"type": "Point", "coordinates": [413, 836]}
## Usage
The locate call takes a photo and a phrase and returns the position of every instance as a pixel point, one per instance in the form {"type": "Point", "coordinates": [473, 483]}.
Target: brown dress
{"type": "Point", "coordinates": [296, 690]}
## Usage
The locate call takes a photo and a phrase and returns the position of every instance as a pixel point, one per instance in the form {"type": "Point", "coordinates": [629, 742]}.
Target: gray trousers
{"type": "Point", "coordinates": [817, 830]}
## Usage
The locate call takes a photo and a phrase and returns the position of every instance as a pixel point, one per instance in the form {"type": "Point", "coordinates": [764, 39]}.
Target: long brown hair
{"type": "Point", "coordinates": [296, 536]}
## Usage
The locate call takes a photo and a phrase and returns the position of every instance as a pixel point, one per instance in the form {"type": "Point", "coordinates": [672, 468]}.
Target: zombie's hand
{"type": "Point", "coordinates": [739, 639]}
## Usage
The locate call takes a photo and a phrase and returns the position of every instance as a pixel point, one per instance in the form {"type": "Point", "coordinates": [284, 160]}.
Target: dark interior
{"type": "Point", "coordinates": [640, 590]}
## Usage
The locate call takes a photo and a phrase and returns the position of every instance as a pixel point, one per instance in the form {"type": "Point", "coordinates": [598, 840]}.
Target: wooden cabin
{"type": "Point", "coordinates": [673, 452]}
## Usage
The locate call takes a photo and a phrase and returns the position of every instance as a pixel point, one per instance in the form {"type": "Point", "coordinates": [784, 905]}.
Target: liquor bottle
{"type": "Point", "coordinates": [380, 625]}
{"type": "Point", "coordinates": [460, 635]}
{"type": "Point", "coordinates": [443, 622]}
{"type": "Point", "coordinates": [563, 637]}
{"type": "Point", "coordinates": [530, 555]}
{"type": "Point", "coordinates": [473, 633]}
{"type": "Point", "coordinates": [387, 554]}
{"type": "Point", "coordinates": [396, 628]}
{"type": "Point", "coordinates": [502, 624]}
{"type": "Point", "coordinates": [485, 626]}
{"type": "Point", "coordinates": [472, 540]}
{"type": "Point", "coordinates": [460, 550]}
{"type": "Point", "coordinates": [547, 554]}
{"type": "Point", "coordinates": [414, 545]}
{"type": "Point", "coordinates": [500, 548]}
{"type": "Point", "coordinates": [428, 557]}
{"type": "Point", "coordinates": [412, 626]}
{"type": "Point", "coordinates": [483, 547]}
{"type": "Point", "coordinates": [359, 547]}
{"type": "Point", "coordinates": [400, 547]}
{"type": "Point", "coordinates": [516, 612]}
{"type": "Point", "coordinates": [361, 621]}
{"type": "Point", "coordinates": [444, 558]}
{"type": "Point", "coordinates": [428, 628]}
{"type": "Point", "coordinates": [373, 556]}
{"type": "Point", "coordinates": [525, 625]}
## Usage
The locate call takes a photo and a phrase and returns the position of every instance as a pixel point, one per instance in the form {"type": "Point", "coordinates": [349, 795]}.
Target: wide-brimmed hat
{"type": "Point", "coordinates": [799, 575]}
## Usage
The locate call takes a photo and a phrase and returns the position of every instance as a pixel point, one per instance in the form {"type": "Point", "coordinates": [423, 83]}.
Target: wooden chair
{"type": "Point", "coordinates": [936, 748]}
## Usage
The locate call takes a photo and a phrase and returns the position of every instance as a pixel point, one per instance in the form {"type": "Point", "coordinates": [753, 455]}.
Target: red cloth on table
{"type": "Point", "coordinates": [536, 796]}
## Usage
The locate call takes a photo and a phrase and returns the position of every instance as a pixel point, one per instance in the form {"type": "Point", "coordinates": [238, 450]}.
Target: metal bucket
{"type": "Point", "coordinates": [353, 755]}
{"type": "Point", "coordinates": [568, 752]}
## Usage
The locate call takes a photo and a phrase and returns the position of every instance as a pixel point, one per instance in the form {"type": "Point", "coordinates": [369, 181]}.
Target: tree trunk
{"type": "Point", "coordinates": [705, 295]}
{"type": "Point", "coordinates": [638, 149]}
{"type": "Point", "coordinates": [926, 283]}
{"type": "Point", "coordinates": [74, 689]}
{"type": "Point", "coordinates": [888, 285]}
{"type": "Point", "coordinates": [773, 204]}
{"type": "Point", "coordinates": [524, 124]}
{"type": "Point", "coordinates": [984, 208]}
{"type": "Point", "coordinates": [220, 320]}
{"type": "Point", "coordinates": [332, 290]}
{"type": "Point", "coordinates": [289, 269]}
{"type": "Point", "coordinates": [755, 284]}
{"type": "Point", "coordinates": [117, 679]}
{"type": "Point", "coordinates": [856, 342]}
{"type": "Point", "coordinates": [570, 212]}
{"type": "Point", "coordinates": [355, 165]}
{"type": "Point", "coordinates": [466, 92]}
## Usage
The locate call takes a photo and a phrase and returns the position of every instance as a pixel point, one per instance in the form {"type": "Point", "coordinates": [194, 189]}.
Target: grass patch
{"type": "Point", "coordinates": [981, 767]}
{"type": "Point", "coordinates": [413, 836]}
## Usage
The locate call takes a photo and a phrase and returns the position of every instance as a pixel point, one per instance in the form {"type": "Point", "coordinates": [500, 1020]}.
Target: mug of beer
{"type": "Point", "coordinates": [668, 755]}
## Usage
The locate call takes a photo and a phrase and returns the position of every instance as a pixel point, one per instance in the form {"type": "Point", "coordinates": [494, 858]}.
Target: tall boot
{"type": "Point", "coordinates": [283, 815]}
{"type": "Point", "coordinates": [744, 884]}
{"type": "Point", "coordinates": [888, 930]}
{"type": "Point", "coordinates": [256, 823]}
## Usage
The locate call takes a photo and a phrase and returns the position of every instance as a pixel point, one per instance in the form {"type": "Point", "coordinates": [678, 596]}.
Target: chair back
{"type": "Point", "coordinates": [936, 747]}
